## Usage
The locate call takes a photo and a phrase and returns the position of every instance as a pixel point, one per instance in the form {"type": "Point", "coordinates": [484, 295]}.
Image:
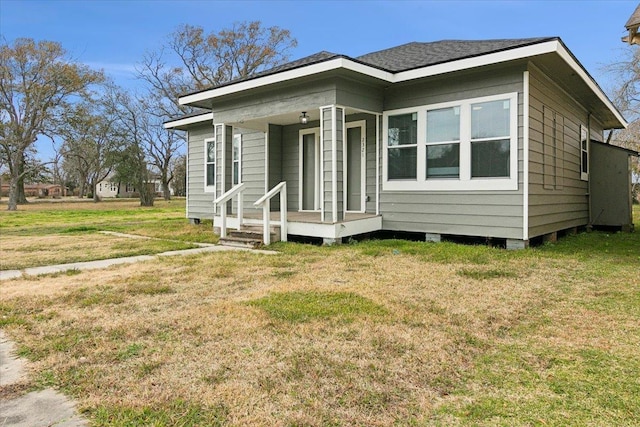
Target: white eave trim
{"type": "Point", "coordinates": [568, 58]}
{"type": "Point", "coordinates": [431, 70]}
{"type": "Point", "coordinates": [308, 70]}
{"type": "Point", "coordinates": [205, 117]}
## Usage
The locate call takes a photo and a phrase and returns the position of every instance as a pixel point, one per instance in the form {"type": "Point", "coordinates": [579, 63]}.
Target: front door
{"type": "Point", "coordinates": [356, 153]}
{"type": "Point", "coordinates": [309, 170]}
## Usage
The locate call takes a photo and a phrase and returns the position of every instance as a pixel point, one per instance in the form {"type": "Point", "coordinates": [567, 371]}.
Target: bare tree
{"type": "Point", "coordinates": [627, 97]}
{"type": "Point", "coordinates": [92, 138]}
{"type": "Point", "coordinates": [205, 59]}
{"type": "Point", "coordinates": [132, 164]}
{"type": "Point", "coordinates": [36, 81]}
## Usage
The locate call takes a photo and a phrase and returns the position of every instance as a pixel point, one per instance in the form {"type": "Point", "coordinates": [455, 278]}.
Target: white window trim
{"type": "Point", "coordinates": [236, 137]}
{"type": "Point", "coordinates": [210, 188]}
{"type": "Point", "coordinates": [465, 182]}
{"type": "Point", "coordinates": [584, 176]}
{"type": "Point", "coordinates": [316, 201]}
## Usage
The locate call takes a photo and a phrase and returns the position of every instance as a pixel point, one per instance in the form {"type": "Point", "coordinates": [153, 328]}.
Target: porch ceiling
{"type": "Point", "coordinates": [289, 118]}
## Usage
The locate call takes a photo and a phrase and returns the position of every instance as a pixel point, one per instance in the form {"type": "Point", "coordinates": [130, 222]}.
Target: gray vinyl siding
{"type": "Point", "coordinates": [253, 173]}
{"type": "Point", "coordinates": [275, 161]}
{"type": "Point", "coordinates": [327, 159]}
{"type": "Point", "coordinates": [555, 207]}
{"type": "Point", "coordinates": [359, 95]}
{"type": "Point", "coordinates": [611, 201]}
{"type": "Point", "coordinates": [290, 161]}
{"type": "Point", "coordinates": [198, 202]}
{"type": "Point", "coordinates": [474, 213]}
{"type": "Point", "coordinates": [285, 99]}
{"type": "Point", "coordinates": [339, 143]}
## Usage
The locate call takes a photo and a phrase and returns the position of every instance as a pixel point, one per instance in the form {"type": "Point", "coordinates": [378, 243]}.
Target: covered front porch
{"type": "Point", "coordinates": [316, 167]}
{"type": "Point", "coordinates": [307, 224]}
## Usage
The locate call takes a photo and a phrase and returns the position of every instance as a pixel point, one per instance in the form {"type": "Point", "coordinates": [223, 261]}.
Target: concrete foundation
{"type": "Point", "coordinates": [516, 244]}
{"type": "Point", "coordinates": [432, 237]}
{"type": "Point", "coordinates": [329, 241]}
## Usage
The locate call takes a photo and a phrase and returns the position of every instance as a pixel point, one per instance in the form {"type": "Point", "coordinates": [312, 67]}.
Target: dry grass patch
{"type": "Point", "coordinates": [375, 334]}
{"type": "Point", "coordinates": [389, 342]}
{"type": "Point", "coordinates": [19, 252]}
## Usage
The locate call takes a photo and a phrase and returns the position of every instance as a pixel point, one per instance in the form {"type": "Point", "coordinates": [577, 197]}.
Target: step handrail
{"type": "Point", "coordinates": [222, 200]}
{"type": "Point", "coordinates": [265, 202]}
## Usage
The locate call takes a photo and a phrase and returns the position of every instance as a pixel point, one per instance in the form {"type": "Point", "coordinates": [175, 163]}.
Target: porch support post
{"type": "Point", "coordinates": [331, 143]}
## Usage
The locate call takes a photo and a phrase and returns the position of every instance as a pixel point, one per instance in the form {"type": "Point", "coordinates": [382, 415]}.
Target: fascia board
{"type": "Point", "coordinates": [569, 59]}
{"type": "Point", "coordinates": [309, 70]}
{"type": "Point", "coordinates": [206, 117]}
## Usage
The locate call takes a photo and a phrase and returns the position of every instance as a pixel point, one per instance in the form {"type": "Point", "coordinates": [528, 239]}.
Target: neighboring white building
{"type": "Point", "coordinates": [109, 188]}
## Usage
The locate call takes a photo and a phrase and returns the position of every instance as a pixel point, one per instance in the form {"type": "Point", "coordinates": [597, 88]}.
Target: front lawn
{"type": "Point", "coordinates": [45, 232]}
{"type": "Point", "coordinates": [373, 333]}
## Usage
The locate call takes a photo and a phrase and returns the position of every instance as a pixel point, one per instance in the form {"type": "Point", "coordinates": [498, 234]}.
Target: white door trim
{"type": "Point", "coordinates": [316, 196]}
{"type": "Point", "coordinates": [362, 124]}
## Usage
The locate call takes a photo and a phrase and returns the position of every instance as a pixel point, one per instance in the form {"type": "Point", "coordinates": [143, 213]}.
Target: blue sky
{"type": "Point", "coordinates": [114, 35]}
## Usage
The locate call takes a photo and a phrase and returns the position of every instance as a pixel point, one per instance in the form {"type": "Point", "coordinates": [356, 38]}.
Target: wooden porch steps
{"type": "Point", "coordinates": [250, 236]}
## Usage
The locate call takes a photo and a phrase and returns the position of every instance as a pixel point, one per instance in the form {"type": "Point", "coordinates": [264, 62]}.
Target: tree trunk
{"type": "Point", "coordinates": [166, 192]}
{"type": "Point", "coordinates": [21, 197]}
{"type": "Point", "coordinates": [96, 197]}
{"type": "Point", "coordinates": [13, 193]}
{"type": "Point", "coordinates": [146, 196]}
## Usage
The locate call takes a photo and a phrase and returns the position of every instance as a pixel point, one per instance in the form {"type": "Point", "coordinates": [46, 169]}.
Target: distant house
{"type": "Point", "coordinates": [109, 187]}
{"type": "Point", "coordinates": [491, 138]}
{"type": "Point", "coordinates": [38, 190]}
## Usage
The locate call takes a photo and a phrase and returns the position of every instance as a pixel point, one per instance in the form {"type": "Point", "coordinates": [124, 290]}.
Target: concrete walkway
{"type": "Point", "coordinates": [104, 263]}
{"type": "Point", "coordinates": [41, 408]}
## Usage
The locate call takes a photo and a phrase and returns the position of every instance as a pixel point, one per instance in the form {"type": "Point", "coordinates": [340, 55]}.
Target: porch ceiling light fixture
{"type": "Point", "coordinates": [304, 119]}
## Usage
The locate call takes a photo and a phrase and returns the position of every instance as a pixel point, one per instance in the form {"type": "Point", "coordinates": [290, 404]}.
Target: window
{"type": "Point", "coordinates": [490, 143]}
{"type": "Point", "coordinates": [403, 145]}
{"type": "Point", "coordinates": [584, 153]}
{"type": "Point", "coordinates": [237, 159]}
{"type": "Point", "coordinates": [443, 143]}
{"type": "Point", "coordinates": [210, 164]}
{"type": "Point", "coordinates": [463, 145]}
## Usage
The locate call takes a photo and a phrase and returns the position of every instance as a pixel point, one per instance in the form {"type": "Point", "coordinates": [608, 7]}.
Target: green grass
{"type": "Point", "coordinates": [177, 413]}
{"type": "Point", "coordinates": [296, 307]}
{"type": "Point", "coordinates": [164, 220]}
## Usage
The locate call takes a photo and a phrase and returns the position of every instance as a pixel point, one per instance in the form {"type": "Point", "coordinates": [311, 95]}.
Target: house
{"type": "Point", "coordinates": [488, 138]}
{"type": "Point", "coordinates": [111, 188]}
{"type": "Point", "coordinates": [41, 191]}
{"type": "Point", "coordinates": [632, 25]}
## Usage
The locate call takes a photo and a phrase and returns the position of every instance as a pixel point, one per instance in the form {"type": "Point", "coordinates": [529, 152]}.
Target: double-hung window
{"type": "Point", "coordinates": [210, 164]}
{"type": "Point", "coordinates": [443, 143]}
{"type": "Point", "coordinates": [237, 159]}
{"type": "Point", "coordinates": [490, 139]}
{"type": "Point", "coordinates": [403, 146]}
{"type": "Point", "coordinates": [461, 145]}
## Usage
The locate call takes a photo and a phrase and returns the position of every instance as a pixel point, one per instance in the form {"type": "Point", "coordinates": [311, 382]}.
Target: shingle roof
{"type": "Point", "coordinates": [414, 55]}
{"type": "Point", "coordinates": [407, 56]}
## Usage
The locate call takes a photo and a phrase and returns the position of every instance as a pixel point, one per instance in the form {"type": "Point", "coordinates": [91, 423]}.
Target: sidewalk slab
{"type": "Point", "coordinates": [46, 407]}
{"type": "Point", "coordinates": [40, 408]}
{"type": "Point", "coordinates": [104, 263]}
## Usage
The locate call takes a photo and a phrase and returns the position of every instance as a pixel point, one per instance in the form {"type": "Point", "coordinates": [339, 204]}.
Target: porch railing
{"type": "Point", "coordinates": [265, 202]}
{"type": "Point", "coordinates": [222, 202]}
